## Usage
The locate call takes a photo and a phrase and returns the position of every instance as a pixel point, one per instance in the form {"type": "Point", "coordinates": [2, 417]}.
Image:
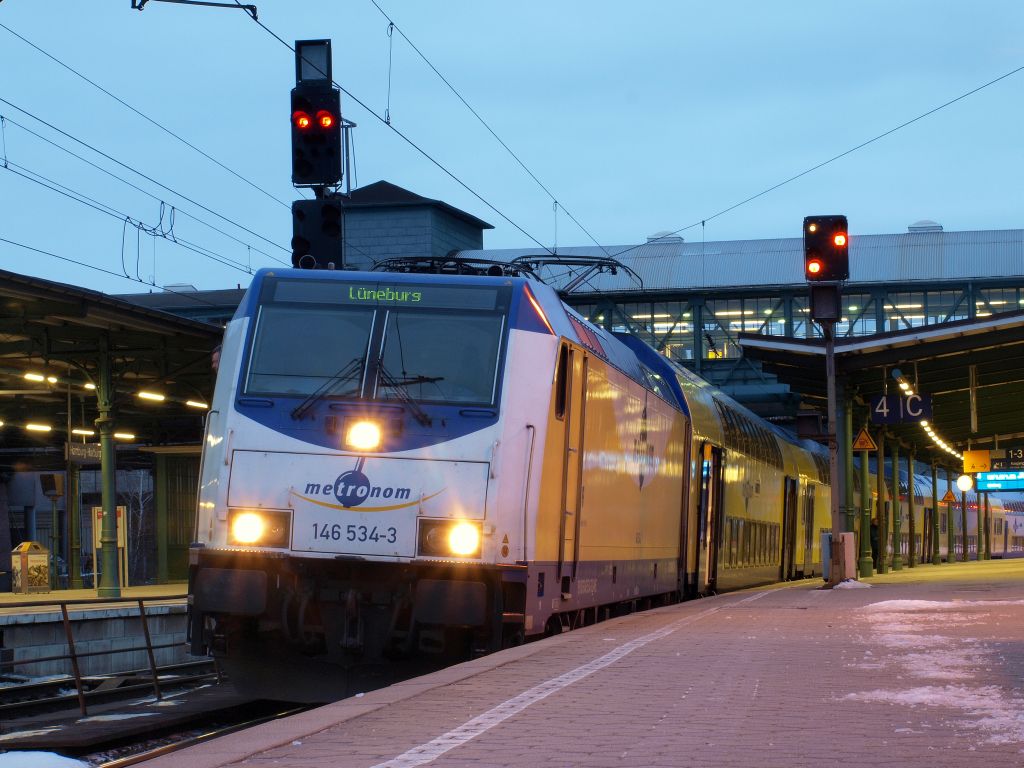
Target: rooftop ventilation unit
{"type": "Point", "coordinates": [925, 225]}
{"type": "Point", "coordinates": [665, 237]}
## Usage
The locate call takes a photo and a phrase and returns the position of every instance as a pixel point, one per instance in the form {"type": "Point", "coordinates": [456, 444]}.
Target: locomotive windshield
{"type": "Point", "coordinates": [442, 356]}
{"type": "Point", "coordinates": [298, 350]}
{"type": "Point", "coordinates": [431, 343]}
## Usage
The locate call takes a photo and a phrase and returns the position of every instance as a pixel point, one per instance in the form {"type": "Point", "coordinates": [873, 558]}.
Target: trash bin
{"type": "Point", "coordinates": [30, 568]}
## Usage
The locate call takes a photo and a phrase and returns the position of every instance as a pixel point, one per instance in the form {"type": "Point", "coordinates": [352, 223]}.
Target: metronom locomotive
{"type": "Point", "coordinates": [399, 463]}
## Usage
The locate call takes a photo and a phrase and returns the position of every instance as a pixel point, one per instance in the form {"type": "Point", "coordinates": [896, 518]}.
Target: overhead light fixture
{"type": "Point", "coordinates": [196, 404]}
{"type": "Point", "coordinates": [154, 396]}
{"type": "Point", "coordinates": [83, 432]}
{"type": "Point", "coordinates": [52, 379]}
{"type": "Point", "coordinates": [89, 385]}
{"type": "Point", "coordinates": [964, 483]}
{"type": "Point", "coordinates": [124, 435]}
{"type": "Point", "coordinates": [34, 377]}
{"type": "Point", "coordinates": [32, 427]}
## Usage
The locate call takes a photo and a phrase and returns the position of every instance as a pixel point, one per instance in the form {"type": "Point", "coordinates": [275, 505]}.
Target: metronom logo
{"type": "Point", "coordinates": [352, 488]}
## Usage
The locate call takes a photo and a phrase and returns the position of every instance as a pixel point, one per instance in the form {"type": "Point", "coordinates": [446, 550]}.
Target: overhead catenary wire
{"type": "Point", "coordinates": [101, 207]}
{"type": "Point", "coordinates": [484, 123]}
{"type": "Point", "coordinates": [406, 139]}
{"type": "Point", "coordinates": [249, 247]}
{"type": "Point", "coordinates": [111, 272]}
{"type": "Point", "coordinates": [141, 174]}
{"type": "Point", "coordinates": [146, 117]}
{"type": "Point", "coordinates": [4, 119]}
{"type": "Point", "coordinates": [832, 159]}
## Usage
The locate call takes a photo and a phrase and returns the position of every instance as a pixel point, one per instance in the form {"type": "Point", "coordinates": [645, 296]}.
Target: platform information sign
{"type": "Point", "coordinates": [897, 409]}
{"type": "Point", "coordinates": [1010, 480]}
{"type": "Point", "coordinates": [977, 461]}
{"type": "Point", "coordinates": [1010, 458]}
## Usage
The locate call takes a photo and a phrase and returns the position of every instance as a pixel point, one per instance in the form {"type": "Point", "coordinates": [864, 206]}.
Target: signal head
{"type": "Point", "coordinates": [826, 243]}
{"type": "Point", "coordinates": [316, 136]}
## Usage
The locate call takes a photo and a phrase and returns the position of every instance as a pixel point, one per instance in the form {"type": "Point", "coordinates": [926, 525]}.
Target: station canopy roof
{"type": "Point", "coordinates": [52, 337]}
{"type": "Point", "coordinates": [973, 370]}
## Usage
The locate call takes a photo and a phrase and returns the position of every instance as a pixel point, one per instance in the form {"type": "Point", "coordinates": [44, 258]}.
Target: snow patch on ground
{"type": "Point", "coordinates": [1000, 716]}
{"type": "Point", "coordinates": [954, 664]}
{"type": "Point", "coordinates": [38, 760]}
{"type": "Point", "coordinates": [25, 734]}
{"type": "Point", "coordinates": [911, 641]}
{"type": "Point", "coordinates": [851, 584]}
{"type": "Point", "coordinates": [113, 717]}
{"type": "Point", "coordinates": [937, 605]}
{"type": "Point", "coordinates": [909, 630]}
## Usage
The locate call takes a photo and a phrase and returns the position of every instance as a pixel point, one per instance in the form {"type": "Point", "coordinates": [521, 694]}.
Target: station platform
{"type": "Point", "coordinates": [922, 667]}
{"type": "Point", "coordinates": [107, 632]}
{"type": "Point", "coordinates": [11, 603]}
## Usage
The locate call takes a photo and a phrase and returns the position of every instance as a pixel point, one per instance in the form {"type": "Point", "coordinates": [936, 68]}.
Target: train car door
{"type": "Point", "coordinates": [790, 502]}
{"type": "Point", "coordinates": [808, 521]}
{"type": "Point", "coordinates": [575, 381]}
{"type": "Point", "coordinates": [709, 516]}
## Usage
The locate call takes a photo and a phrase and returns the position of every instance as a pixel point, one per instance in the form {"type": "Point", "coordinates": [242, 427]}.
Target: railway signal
{"type": "Point", "coordinates": [317, 233]}
{"type": "Point", "coordinates": [826, 265]}
{"type": "Point", "coordinates": [315, 117]}
{"type": "Point", "coordinates": [826, 249]}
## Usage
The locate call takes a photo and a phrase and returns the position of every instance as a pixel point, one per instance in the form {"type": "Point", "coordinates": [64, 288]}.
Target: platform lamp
{"type": "Point", "coordinates": [53, 489]}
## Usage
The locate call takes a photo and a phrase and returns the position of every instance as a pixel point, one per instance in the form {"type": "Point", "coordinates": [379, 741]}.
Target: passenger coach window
{"type": "Point", "coordinates": [298, 350]}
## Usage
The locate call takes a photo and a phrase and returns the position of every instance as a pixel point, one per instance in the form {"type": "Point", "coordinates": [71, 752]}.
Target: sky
{"type": "Point", "coordinates": [638, 117]}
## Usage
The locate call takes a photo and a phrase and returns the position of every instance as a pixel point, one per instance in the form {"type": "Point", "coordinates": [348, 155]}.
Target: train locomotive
{"type": "Point", "coordinates": [399, 463]}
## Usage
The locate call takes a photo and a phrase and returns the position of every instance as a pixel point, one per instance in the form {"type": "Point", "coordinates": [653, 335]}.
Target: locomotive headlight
{"type": "Point", "coordinates": [247, 527]}
{"type": "Point", "coordinates": [450, 538]}
{"type": "Point", "coordinates": [259, 528]}
{"type": "Point", "coordinates": [363, 435]}
{"type": "Point", "coordinates": [464, 539]}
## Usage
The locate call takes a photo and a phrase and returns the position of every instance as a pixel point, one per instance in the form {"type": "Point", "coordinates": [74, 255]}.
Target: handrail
{"type": "Point", "coordinates": [73, 654]}
{"type": "Point", "coordinates": [90, 601]}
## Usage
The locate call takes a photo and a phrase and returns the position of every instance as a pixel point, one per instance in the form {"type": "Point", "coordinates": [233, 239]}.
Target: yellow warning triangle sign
{"type": "Point", "coordinates": [864, 441]}
{"type": "Point", "coordinates": [949, 498]}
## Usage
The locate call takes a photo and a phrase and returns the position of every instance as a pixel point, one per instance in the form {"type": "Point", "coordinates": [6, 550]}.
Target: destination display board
{"type": "Point", "coordinates": [413, 295]}
{"type": "Point", "coordinates": [1009, 480]}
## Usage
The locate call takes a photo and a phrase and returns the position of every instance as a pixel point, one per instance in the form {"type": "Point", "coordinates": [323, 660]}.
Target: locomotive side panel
{"type": "Point", "coordinates": [609, 507]}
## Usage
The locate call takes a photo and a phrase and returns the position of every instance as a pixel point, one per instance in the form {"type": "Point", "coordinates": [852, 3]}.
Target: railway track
{"type": "Point", "coordinates": [34, 698]}
{"type": "Point", "coordinates": [228, 721]}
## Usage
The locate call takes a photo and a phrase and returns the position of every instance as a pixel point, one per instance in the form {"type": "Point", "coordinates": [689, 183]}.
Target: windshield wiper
{"type": "Point", "coordinates": [400, 385]}
{"type": "Point", "coordinates": [346, 374]}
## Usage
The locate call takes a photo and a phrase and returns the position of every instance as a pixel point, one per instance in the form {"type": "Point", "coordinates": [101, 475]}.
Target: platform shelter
{"type": "Point", "coordinates": [93, 388]}
{"type": "Point", "coordinates": [937, 396]}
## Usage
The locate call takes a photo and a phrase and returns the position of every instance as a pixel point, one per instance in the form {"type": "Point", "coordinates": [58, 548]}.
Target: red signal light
{"type": "Point", "coordinates": [324, 118]}
{"type": "Point", "coordinates": [301, 120]}
{"type": "Point", "coordinates": [814, 266]}
{"type": "Point", "coordinates": [839, 239]}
